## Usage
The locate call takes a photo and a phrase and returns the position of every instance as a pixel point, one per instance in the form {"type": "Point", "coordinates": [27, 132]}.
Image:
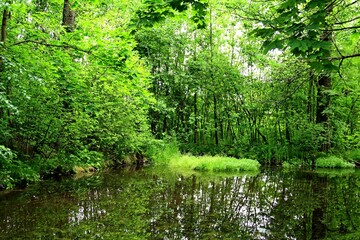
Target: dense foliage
{"type": "Point", "coordinates": [69, 96]}
{"type": "Point", "coordinates": [219, 92]}
{"type": "Point", "coordinates": [87, 81]}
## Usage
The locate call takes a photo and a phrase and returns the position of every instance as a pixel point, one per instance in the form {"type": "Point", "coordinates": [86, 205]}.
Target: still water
{"type": "Point", "coordinates": [153, 203]}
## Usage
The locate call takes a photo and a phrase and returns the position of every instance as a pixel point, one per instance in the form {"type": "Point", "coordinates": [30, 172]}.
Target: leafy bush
{"type": "Point", "coordinates": [353, 155]}
{"type": "Point", "coordinates": [14, 172]}
{"type": "Point", "coordinates": [22, 173]}
{"type": "Point", "coordinates": [333, 162]}
{"type": "Point", "coordinates": [6, 158]}
{"type": "Point", "coordinates": [65, 164]}
{"type": "Point", "coordinates": [214, 164]}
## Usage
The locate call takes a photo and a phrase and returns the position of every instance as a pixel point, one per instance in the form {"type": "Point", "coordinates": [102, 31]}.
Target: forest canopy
{"type": "Point", "coordinates": [98, 82]}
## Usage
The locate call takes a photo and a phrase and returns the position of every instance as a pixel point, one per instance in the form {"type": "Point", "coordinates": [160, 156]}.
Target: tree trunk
{"type": "Point", "coordinates": [3, 37]}
{"type": "Point", "coordinates": [5, 112]}
{"type": "Point", "coordinates": [323, 103]}
{"type": "Point", "coordinates": [3, 26]}
{"type": "Point", "coordinates": [323, 96]}
{"type": "Point", "coordinates": [3, 41]}
{"type": "Point", "coordinates": [216, 122]}
{"type": "Point", "coordinates": [68, 17]}
{"type": "Point", "coordinates": [196, 118]}
{"type": "Point", "coordinates": [311, 99]}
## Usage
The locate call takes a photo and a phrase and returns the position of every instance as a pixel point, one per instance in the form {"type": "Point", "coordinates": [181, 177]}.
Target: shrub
{"type": "Point", "coordinates": [6, 156]}
{"type": "Point", "coordinates": [14, 172]}
{"type": "Point", "coordinates": [333, 162]}
{"type": "Point", "coordinates": [353, 155]}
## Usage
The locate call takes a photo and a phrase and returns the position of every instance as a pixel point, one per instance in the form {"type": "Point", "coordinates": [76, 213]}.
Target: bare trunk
{"type": "Point", "coordinates": [3, 26]}
{"type": "Point", "coordinates": [323, 103]}
{"type": "Point", "coordinates": [68, 17]}
{"type": "Point", "coordinates": [3, 37]}
{"type": "Point", "coordinates": [311, 99]}
{"type": "Point", "coordinates": [2, 47]}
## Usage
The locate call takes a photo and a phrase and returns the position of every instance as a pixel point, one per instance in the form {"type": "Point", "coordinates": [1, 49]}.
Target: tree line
{"type": "Point", "coordinates": [89, 82]}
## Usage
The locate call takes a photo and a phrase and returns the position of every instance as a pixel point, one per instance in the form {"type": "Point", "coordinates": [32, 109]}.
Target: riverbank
{"type": "Point", "coordinates": [157, 152]}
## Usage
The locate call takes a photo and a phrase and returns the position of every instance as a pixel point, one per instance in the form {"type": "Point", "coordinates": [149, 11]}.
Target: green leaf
{"type": "Point", "coordinates": [264, 32]}
{"type": "Point", "coordinates": [316, 66]}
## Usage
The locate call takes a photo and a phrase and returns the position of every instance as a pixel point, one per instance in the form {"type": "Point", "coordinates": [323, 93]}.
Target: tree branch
{"type": "Point", "coordinates": [337, 48]}
{"type": "Point", "coordinates": [63, 45]}
{"type": "Point", "coordinates": [342, 59]}
{"type": "Point", "coordinates": [345, 7]}
{"type": "Point", "coordinates": [347, 21]}
{"type": "Point", "coordinates": [340, 29]}
{"type": "Point", "coordinates": [330, 5]}
{"type": "Point", "coordinates": [340, 64]}
{"type": "Point", "coordinates": [345, 57]}
{"type": "Point", "coordinates": [351, 3]}
{"type": "Point", "coordinates": [115, 63]}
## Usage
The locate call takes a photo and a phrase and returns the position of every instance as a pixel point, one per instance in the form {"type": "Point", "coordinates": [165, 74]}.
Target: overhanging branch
{"type": "Point", "coordinates": [347, 21]}
{"type": "Point", "coordinates": [345, 57]}
{"type": "Point", "coordinates": [340, 29]}
{"type": "Point", "coordinates": [62, 45]}
{"type": "Point", "coordinates": [115, 63]}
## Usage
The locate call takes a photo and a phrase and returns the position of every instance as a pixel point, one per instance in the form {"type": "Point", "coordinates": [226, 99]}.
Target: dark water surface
{"type": "Point", "coordinates": [155, 204]}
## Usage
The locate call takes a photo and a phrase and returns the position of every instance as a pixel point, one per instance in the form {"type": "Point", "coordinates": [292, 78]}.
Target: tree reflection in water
{"type": "Point", "coordinates": [154, 205]}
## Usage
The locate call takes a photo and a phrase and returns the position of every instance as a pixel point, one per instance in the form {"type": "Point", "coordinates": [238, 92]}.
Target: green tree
{"type": "Point", "coordinates": [310, 30]}
{"type": "Point", "coordinates": [71, 93]}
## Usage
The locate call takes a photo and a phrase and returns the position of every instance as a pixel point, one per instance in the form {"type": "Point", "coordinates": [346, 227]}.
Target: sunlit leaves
{"type": "Point", "coordinates": [297, 29]}
{"type": "Point", "coordinates": [74, 92]}
{"type": "Point", "coordinates": [155, 11]}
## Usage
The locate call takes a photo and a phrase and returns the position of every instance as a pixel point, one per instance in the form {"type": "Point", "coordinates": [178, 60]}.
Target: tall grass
{"type": "Point", "coordinates": [333, 162]}
{"type": "Point", "coordinates": [161, 152]}
{"type": "Point", "coordinates": [214, 164]}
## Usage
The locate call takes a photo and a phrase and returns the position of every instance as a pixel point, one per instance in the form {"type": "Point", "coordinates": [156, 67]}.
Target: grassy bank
{"type": "Point", "coordinates": [323, 162]}
{"type": "Point", "coordinates": [214, 164]}
{"type": "Point", "coordinates": [333, 162]}
{"type": "Point", "coordinates": [167, 154]}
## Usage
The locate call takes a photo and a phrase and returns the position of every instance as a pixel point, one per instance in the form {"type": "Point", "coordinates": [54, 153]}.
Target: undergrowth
{"type": "Point", "coordinates": [161, 152]}
{"type": "Point", "coordinates": [353, 155]}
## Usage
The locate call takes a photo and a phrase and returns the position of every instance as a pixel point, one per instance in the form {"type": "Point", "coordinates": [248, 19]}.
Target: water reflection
{"type": "Point", "coordinates": [150, 204]}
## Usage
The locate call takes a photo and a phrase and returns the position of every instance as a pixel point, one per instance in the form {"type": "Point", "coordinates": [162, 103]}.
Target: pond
{"type": "Point", "coordinates": [153, 203]}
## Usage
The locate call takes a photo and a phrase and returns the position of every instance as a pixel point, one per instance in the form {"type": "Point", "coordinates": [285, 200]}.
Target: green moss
{"type": "Point", "coordinates": [333, 162]}
{"type": "Point", "coordinates": [214, 164]}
